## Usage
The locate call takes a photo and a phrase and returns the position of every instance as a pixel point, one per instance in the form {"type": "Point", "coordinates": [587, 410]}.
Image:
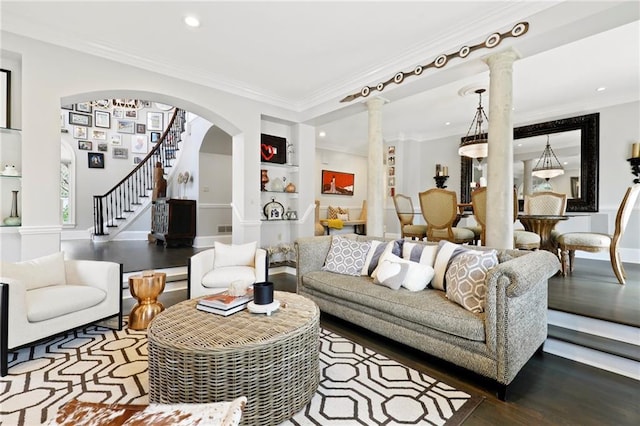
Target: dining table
{"type": "Point", "coordinates": [542, 224]}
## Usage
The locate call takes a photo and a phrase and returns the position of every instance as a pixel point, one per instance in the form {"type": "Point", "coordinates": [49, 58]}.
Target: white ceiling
{"type": "Point", "coordinates": [306, 56]}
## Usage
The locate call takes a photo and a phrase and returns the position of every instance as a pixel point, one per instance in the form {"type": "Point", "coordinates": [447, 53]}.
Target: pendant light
{"type": "Point", "coordinates": [548, 165]}
{"type": "Point", "coordinates": [476, 145]}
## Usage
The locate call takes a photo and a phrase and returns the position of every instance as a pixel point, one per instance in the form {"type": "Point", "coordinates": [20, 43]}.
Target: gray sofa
{"type": "Point", "coordinates": [495, 343]}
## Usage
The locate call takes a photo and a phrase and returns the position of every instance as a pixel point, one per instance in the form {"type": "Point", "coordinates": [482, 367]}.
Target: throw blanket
{"type": "Point", "coordinates": [335, 223]}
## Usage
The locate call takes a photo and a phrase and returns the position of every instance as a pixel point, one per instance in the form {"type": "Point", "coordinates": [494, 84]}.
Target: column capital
{"type": "Point", "coordinates": [504, 57]}
{"type": "Point", "coordinates": [375, 103]}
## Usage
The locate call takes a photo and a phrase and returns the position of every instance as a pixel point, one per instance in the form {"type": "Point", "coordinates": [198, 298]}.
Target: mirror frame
{"type": "Point", "coordinates": [589, 126]}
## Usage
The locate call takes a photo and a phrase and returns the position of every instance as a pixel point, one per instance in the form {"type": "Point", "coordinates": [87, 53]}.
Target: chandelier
{"type": "Point", "coordinates": [476, 145]}
{"type": "Point", "coordinates": [546, 168]}
{"type": "Point", "coordinates": [135, 104]}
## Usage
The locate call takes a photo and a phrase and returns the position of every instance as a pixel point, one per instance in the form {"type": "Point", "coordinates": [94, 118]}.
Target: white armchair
{"type": "Point", "coordinates": [50, 295]}
{"type": "Point", "coordinates": [211, 271]}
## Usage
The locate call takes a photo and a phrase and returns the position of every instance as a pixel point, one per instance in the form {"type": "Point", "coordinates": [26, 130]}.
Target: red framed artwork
{"type": "Point", "coordinates": [339, 183]}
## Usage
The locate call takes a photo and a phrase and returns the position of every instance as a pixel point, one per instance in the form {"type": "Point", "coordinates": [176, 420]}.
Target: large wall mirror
{"type": "Point", "coordinates": [575, 141]}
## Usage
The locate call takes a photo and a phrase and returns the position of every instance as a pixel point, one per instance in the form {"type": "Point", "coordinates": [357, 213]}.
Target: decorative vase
{"type": "Point", "coordinates": [264, 179]}
{"type": "Point", "coordinates": [277, 185]}
{"type": "Point", "coordinates": [290, 187]}
{"type": "Point", "coordinates": [13, 219]}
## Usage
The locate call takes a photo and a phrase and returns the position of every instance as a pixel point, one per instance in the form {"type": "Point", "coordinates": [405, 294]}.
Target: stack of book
{"type": "Point", "coordinates": [224, 304]}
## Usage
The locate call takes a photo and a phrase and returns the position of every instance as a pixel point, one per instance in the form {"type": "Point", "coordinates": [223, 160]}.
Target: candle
{"type": "Point", "coordinates": [635, 150]}
{"type": "Point", "coordinates": [445, 170]}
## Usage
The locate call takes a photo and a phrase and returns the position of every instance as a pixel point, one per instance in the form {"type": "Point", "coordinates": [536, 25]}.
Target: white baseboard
{"type": "Point", "coordinates": [601, 360]}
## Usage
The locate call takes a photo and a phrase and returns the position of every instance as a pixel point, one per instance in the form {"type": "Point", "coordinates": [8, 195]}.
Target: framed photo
{"type": "Point", "coordinates": [155, 137]}
{"type": "Point", "coordinates": [154, 120]}
{"type": "Point", "coordinates": [84, 107]}
{"type": "Point", "coordinates": [139, 144]}
{"type": "Point", "coordinates": [102, 119]}
{"type": "Point", "coordinates": [130, 113]}
{"type": "Point", "coordinates": [141, 128]}
{"type": "Point", "coordinates": [100, 135]}
{"type": "Point", "coordinates": [79, 119]}
{"type": "Point", "coordinates": [273, 149]}
{"type": "Point", "coordinates": [337, 182]}
{"type": "Point", "coordinates": [103, 147]}
{"type": "Point", "coordinates": [80, 132]}
{"type": "Point", "coordinates": [116, 140]}
{"type": "Point", "coordinates": [137, 159]}
{"type": "Point", "coordinates": [126, 126]}
{"type": "Point", "coordinates": [118, 113]}
{"type": "Point", "coordinates": [62, 123]}
{"type": "Point", "coordinates": [120, 153]}
{"type": "Point", "coordinates": [69, 107]}
{"type": "Point", "coordinates": [102, 103]}
{"type": "Point", "coordinates": [85, 145]}
{"type": "Point", "coordinates": [96, 160]}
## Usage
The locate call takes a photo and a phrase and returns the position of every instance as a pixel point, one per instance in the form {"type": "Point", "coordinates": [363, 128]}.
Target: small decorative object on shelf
{"type": "Point", "coordinates": [277, 184]}
{"type": "Point", "coordinates": [290, 188]}
{"type": "Point", "coordinates": [289, 153]}
{"type": "Point", "coordinates": [264, 179]}
{"type": "Point", "coordinates": [635, 150]}
{"type": "Point", "coordinates": [273, 210]}
{"type": "Point", "coordinates": [440, 181]}
{"type": "Point", "coordinates": [635, 168]}
{"type": "Point", "coordinates": [10, 170]}
{"type": "Point", "coordinates": [13, 219]}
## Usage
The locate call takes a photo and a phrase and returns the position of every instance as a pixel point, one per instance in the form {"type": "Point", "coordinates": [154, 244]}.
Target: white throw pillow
{"type": "Point", "coordinates": [411, 275]}
{"type": "Point", "coordinates": [35, 273]}
{"type": "Point", "coordinates": [234, 255]}
{"type": "Point", "coordinates": [378, 250]}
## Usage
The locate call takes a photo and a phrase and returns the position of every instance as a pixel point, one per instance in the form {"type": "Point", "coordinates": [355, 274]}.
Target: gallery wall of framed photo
{"type": "Point", "coordinates": [118, 133]}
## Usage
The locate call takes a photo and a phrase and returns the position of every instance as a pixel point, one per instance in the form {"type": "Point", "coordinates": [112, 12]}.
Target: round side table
{"type": "Point", "coordinates": [146, 288]}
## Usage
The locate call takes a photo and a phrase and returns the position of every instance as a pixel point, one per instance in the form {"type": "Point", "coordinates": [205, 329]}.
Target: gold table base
{"type": "Point", "coordinates": [146, 288]}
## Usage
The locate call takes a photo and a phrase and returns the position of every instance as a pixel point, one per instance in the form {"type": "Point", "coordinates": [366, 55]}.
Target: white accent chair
{"type": "Point", "coordinates": [49, 295]}
{"type": "Point", "coordinates": [211, 271]}
{"type": "Point", "coordinates": [592, 242]}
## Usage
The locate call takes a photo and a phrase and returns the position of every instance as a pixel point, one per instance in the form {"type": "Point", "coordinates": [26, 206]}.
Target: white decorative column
{"type": "Point", "coordinates": [500, 160]}
{"type": "Point", "coordinates": [375, 170]}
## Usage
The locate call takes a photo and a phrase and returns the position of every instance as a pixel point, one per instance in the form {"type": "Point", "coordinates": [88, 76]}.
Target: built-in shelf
{"type": "Point", "coordinates": [291, 167]}
{"type": "Point", "coordinates": [9, 130]}
{"type": "Point", "coordinates": [11, 176]}
{"type": "Point", "coordinates": [281, 192]}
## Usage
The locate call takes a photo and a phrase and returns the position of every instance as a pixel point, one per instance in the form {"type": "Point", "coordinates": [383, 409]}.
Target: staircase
{"type": "Point", "coordinates": [602, 344]}
{"type": "Point", "coordinates": [131, 196]}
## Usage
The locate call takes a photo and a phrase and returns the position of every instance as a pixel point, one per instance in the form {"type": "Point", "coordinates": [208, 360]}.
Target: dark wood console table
{"type": "Point", "coordinates": [174, 221]}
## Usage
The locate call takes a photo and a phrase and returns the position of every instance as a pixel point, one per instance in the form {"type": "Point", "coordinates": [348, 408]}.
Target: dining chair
{"type": "Point", "coordinates": [595, 242]}
{"type": "Point", "coordinates": [404, 210]}
{"type": "Point", "coordinates": [523, 240]}
{"type": "Point", "coordinates": [545, 203]}
{"type": "Point", "coordinates": [439, 209]}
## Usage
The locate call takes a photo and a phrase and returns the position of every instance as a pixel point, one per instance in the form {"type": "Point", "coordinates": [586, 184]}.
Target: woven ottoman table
{"type": "Point", "coordinates": [200, 357]}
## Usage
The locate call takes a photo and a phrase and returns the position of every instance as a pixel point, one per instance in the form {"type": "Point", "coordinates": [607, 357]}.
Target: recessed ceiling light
{"type": "Point", "coordinates": [565, 163]}
{"type": "Point", "coordinates": [322, 134]}
{"type": "Point", "coordinates": [519, 144]}
{"type": "Point", "coordinates": [448, 123]}
{"type": "Point", "coordinates": [192, 21]}
{"type": "Point", "coordinates": [601, 89]}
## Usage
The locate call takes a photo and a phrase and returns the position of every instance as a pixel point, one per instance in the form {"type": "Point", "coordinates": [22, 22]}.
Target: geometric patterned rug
{"type": "Point", "coordinates": [357, 385]}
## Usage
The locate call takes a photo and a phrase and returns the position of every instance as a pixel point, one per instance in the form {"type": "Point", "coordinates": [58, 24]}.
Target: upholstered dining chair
{"type": "Point", "coordinates": [523, 240]}
{"type": "Point", "coordinates": [594, 242]}
{"type": "Point", "coordinates": [545, 203]}
{"type": "Point", "coordinates": [440, 208]}
{"type": "Point", "coordinates": [404, 210]}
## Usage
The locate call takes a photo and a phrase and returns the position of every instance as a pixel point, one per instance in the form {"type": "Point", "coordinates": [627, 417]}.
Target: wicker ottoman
{"type": "Point", "coordinates": [199, 357]}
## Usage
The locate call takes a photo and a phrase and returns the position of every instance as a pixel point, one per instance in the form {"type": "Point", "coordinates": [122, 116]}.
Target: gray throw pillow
{"type": "Point", "coordinates": [346, 256]}
{"type": "Point", "coordinates": [467, 276]}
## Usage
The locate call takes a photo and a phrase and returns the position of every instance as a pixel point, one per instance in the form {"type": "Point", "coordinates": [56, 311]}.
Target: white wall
{"type": "Point", "coordinates": [51, 75]}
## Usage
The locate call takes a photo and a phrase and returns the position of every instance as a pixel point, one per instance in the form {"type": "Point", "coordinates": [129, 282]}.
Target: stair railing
{"type": "Point", "coordinates": [127, 193]}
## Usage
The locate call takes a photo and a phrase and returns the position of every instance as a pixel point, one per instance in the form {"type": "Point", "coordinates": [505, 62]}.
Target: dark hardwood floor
{"type": "Point", "coordinates": [549, 390]}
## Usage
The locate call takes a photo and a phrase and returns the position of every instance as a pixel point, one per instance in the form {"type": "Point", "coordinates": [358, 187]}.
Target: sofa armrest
{"type": "Point", "coordinates": [199, 264]}
{"type": "Point", "coordinates": [310, 254]}
{"type": "Point", "coordinates": [516, 310]}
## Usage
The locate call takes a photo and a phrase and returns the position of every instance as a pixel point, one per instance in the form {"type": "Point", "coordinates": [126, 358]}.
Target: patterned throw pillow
{"type": "Point", "coordinates": [446, 253]}
{"type": "Point", "coordinates": [421, 253]}
{"type": "Point", "coordinates": [466, 279]}
{"type": "Point", "coordinates": [346, 256]}
{"type": "Point", "coordinates": [378, 250]}
{"type": "Point", "coordinates": [332, 212]}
